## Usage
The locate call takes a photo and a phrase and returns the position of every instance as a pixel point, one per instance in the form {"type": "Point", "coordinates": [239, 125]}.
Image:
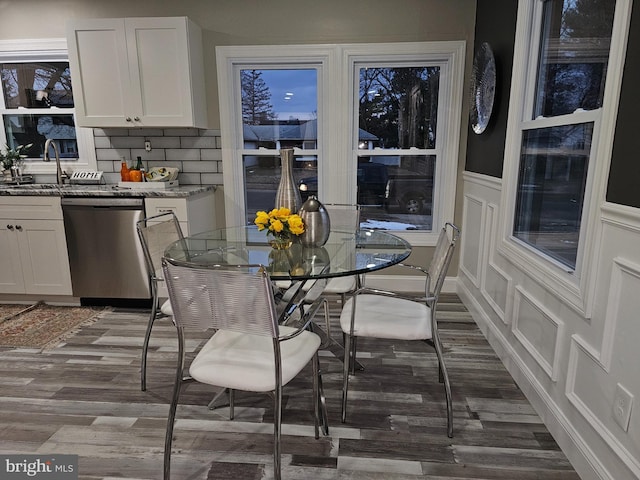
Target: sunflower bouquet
{"type": "Point", "coordinates": [280, 223]}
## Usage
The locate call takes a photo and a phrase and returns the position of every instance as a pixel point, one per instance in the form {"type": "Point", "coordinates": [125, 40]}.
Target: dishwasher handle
{"type": "Point", "coordinates": [103, 202]}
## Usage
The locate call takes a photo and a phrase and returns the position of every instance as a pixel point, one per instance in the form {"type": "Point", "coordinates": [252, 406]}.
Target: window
{"type": "Point", "coordinates": [396, 155]}
{"type": "Point", "coordinates": [37, 104]}
{"type": "Point", "coordinates": [555, 156]}
{"type": "Point", "coordinates": [559, 139]}
{"type": "Point", "coordinates": [376, 124]}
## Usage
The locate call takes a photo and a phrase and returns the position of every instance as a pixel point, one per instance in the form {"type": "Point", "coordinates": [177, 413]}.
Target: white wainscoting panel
{"type": "Point", "coordinates": [538, 330]}
{"type": "Point", "coordinates": [472, 239]}
{"type": "Point", "coordinates": [496, 286]}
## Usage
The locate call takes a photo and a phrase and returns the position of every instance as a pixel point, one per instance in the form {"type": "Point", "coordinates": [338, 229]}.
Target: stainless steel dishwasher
{"type": "Point", "coordinates": [105, 255]}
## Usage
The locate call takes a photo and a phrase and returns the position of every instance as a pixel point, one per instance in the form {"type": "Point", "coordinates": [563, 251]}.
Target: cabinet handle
{"type": "Point", "coordinates": [137, 119]}
{"type": "Point", "coordinates": [128, 119]}
{"type": "Point", "coordinates": [19, 228]}
{"type": "Point", "coordinates": [10, 227]}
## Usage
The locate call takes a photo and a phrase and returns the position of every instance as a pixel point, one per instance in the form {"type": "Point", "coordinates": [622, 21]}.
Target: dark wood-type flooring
{"type": "Point", "coordinates": [84, 398]}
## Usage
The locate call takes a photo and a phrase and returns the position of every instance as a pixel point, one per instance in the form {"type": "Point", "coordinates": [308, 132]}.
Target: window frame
{"type": "Point", "coordinates": [573, 286]}
{"type": "Point", "coordinates": [54, 50]}
{"type": "Point", "coordinates": [338, 146]}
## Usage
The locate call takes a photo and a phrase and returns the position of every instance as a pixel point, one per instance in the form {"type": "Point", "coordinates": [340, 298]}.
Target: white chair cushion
{"type": "Point", "coordinates": [245, 362]}
{"type": "Point", "coordinates": [166, 308]}
{"type": "Point", "coordinates": [341, 285]}
{"type": "Point", "coordinates": [379, 316]}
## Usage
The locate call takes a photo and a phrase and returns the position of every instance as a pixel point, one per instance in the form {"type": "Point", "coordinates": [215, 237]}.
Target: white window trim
{"type": "Point", "coordinates": [450, 57]}
{"type": "Point", "coordinates": [336, 138]}
{"type": "Point", "coordinates": [48, 49]}
{"type": "Point", "coordinates": [575, 288]}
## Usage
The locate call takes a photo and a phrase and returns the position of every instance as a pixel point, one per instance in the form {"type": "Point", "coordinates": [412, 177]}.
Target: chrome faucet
{"type": "Point", "coordinates": [60, 175]}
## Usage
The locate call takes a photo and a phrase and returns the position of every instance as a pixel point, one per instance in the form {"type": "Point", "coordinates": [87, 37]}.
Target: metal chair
{"type": "Point", "coordinates": [251, 350]}
{"type": "Point", "coordinates": [155, 234]}
{"type": "Point", "coordinates": [344, 217]}
{"type": "Point", "coordinates": [383, 314]}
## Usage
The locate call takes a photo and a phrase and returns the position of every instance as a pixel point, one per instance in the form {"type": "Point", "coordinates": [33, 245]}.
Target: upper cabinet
{"type": "Point", "coordinates": [137, 72]}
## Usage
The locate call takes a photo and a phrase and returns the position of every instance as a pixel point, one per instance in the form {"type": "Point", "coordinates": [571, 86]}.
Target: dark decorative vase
{"type": "Point", "coordinates": [317, 224]}
{"type": "Point", "coordinates": [287, 194]}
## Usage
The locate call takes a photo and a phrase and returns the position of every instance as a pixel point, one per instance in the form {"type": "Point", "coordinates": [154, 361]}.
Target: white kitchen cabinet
{"type": "Point", "coordinates": [137, 72]}
{"type": "Point", "coordinates": [33, 247]}
{"type": "Point", "coordinates": [195, 213]}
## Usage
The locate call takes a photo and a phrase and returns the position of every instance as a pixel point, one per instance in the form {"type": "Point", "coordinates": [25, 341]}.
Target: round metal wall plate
{"type": "Point", "coordinates": [483, 88]}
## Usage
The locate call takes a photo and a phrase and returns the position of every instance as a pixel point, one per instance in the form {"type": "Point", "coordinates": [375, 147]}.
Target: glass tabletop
{"type": "Point", "coordinates": [344, 253]}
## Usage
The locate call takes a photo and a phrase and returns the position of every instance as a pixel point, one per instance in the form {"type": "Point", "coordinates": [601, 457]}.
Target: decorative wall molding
{"type": "Point", "coordinates": [487, 181]}
{"type": "Point", "coordinates": [532, 345]}
{"type": "Point", "coordinates": [562, 429]}
{"type": "Point", "coordinates": [579, 348]}
{"type": "Point", "coordinates": [474, 222]}
{"type": "Point", "coordinates": [491, 266]}
{"type": "Point", "coordinates": [621, 216]}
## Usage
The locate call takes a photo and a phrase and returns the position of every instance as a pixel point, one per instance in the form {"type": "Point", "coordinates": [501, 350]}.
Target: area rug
{"type": "Point", "coordinates": [42, 326]}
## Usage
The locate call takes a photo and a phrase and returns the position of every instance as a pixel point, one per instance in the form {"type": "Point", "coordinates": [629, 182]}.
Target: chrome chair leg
{"type": "Point", "coordinates": [447, 385]}
{"type": "Point", "coordinates": [215, 401]}
{"type": "Point", "coordinates": [277, 422]}
{"type": "Point", "coordinates": [316, 395]}
{"type": "Point", "coordinates": [345, 374]}
{"type": "Point", "coordinates": [168, 439]}
{"type": "Point", "coordinates": [231, 404]}
{"type": "Point", "coordinates": [145, 345]}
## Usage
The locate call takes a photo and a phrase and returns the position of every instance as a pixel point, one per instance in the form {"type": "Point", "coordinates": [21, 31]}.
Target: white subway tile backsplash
{"type": "Point", "coordinates": [211, 154]}
{"type": "Point", "coordinates": [211, 179]}
{"type": "Point", "coordinates": [146, 132]}
{"type": "Point", "coordinates": [210, 133]}
{"type": "Point", "coordinates": [182, 132]}
{"type": "Point", "coordinates": [182, 154]}
{"type": "Point", "coordinates": [102, 142]}
{"type": "Point", "coordinates": [198, 142]}
{"type": "Point", "coordinates": [127, 142]}
{"type": "Point", "coordinates": [195, 152]}
{"type": "Point", "coordinates": [156, 154]}
{"type": "Point", "coordinates": [201, 167]}
{"type": "Point", "coordinates": [164, 142]}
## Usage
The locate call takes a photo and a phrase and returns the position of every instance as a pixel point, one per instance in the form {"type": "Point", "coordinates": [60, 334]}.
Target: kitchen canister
{"type": "Point", "coordinates": [317, 224]}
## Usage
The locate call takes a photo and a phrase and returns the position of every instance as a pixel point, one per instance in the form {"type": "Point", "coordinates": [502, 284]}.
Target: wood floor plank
{"type": "Point", "coordinates": [83, 397]}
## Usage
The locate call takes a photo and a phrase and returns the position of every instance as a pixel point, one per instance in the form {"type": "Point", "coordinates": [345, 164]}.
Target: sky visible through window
{"type": "Point", "coordinates": [293, 93]}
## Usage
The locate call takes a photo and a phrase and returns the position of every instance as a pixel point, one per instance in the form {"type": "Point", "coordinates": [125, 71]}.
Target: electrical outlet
{"type": "Point", "coordinates": [622, 402]}
{"type": "Point", "coordinates": [147, 145]}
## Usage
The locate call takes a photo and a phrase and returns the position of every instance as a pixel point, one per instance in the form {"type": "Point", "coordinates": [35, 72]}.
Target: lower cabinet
{"type": "Point", "coordinates": [33, 247]}
{"type": "Point", "coordinates": [195, 213]}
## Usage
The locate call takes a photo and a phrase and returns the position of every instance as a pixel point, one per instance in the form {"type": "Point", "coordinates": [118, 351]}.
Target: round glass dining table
{"type": "Point", "coordinates": [344, 253]}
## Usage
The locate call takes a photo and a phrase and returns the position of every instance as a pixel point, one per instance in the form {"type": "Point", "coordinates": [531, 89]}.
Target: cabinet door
{"type": "Point", "coordinates": [159, 63]}
{"type": "Point", "coordinates": [100, 72]}
{"type": "Point", "coordinates": [11, 279]}
{"type": "Point", "coordinates": [43, 254]}
{"type": "Point", "coordinates": [137, 72]}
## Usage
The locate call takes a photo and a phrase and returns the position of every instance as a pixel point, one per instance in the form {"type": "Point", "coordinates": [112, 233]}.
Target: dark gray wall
{"type": "Point", "coordinates": [495, 24]}
{"type": "Point", "coordinates": [624, 176]}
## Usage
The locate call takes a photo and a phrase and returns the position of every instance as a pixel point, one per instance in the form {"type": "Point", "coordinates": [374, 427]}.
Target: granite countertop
{"type": "Point", "coordinates": [112, 190]}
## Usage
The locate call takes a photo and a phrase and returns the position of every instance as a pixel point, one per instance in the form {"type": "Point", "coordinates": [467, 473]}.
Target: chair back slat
{"type": "Point", "coordinates": [156, 234]}
{"type": "Point", "coordinates": [236, 298]}
{"type": "Point", "coordinates": [442, 258]}
{"type": "Point", "coordinates": [344, 217]}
